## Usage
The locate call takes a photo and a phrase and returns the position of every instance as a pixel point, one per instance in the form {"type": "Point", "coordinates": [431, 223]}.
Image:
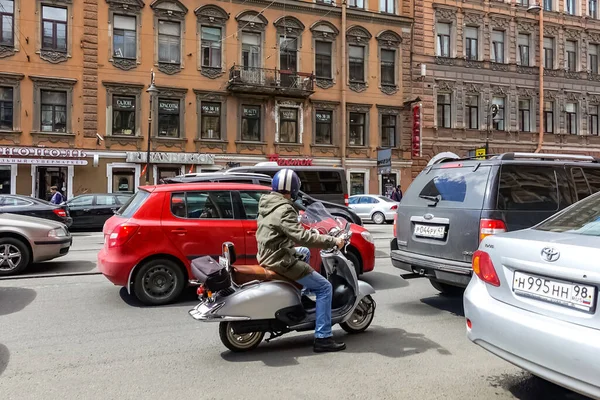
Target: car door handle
{"type": "Point", "coordinates": [179, 231]}
{"type": "Point", "coordinates": [251, 232]}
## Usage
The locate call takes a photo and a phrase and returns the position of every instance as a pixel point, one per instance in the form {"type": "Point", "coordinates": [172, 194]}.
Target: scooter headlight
{"type": "Point", "coordinates": [367, 236]}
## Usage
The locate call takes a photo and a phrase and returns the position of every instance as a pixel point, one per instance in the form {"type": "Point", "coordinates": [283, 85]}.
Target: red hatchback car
{"type": "Point", "coordinates": [150, 242]}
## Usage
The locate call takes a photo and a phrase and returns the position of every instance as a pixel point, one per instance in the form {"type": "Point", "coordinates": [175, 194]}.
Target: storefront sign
{"type": "Point", "coordinates": [416, 131]}
{"type": "Point", "coordinates": [168, 106]}
{"type": "Point", "coordinates": [42, 161]}
{"type": "Point", "coordinates": [125, 103]}
{"type": "Point", "coordinates": [212, 109]}
{"type": "Point", "coordinates": [384, 161]}
{"type": "Point", "coordinates": [291, 161]}
{"type": "Point", "coordinates": [41, 152]}
{"type": "Point", "coordinates": [251, 112]}
{"type": "Point", "coordinates": [171, 158]}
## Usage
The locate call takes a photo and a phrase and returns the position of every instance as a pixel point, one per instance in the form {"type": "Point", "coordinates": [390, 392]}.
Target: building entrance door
{"type": "Point", "coordinates": [48, 177]}
{"type": "Point", "coordinates": [388, 183]}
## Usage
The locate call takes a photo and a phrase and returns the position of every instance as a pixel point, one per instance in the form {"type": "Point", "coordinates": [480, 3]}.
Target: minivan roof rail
{"type": "Point", "coordinates": [547, 157]}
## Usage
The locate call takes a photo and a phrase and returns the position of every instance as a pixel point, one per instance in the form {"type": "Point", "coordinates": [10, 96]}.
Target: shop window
{"type": "Point", "coordinates": [5, 179]}
{"type": "Point", "coordinates": [124, 37]}
{"type": "Point", "coordinates": [357, 129]}
{"type": "Point", "coordinates": [323, 126]}
{"type": "Point", "coordinates": [288, 125]}
{"type": "Point", "coordinates": [123, 115]}
{"type": "Point", "coordinates": [167, 172]}
{"type": "Point", "coordinates": [169, 42]}
{"type": "Point", "coordinates": [53, 111]}
{"type": "Point", "coordinates": [211, 120]}
{"type": "Point", "coordinates": [357, 183]}
{"type": "Point", "coordinates": [54, 28]}
{"type": "Point", "coordinates": [250, 123]}
{"type": "Point", "coordinates": [123, 180]}
{"type": "Point", "coordinates": [7, 18]}
{"type": "Point", "coordinates": [168, 118]}
{"type": "Point", "coordinates": [6, 108]}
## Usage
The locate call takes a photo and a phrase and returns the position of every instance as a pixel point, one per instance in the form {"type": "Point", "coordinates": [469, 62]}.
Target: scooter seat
{"type": "Point", "coordinates": [247, 273]}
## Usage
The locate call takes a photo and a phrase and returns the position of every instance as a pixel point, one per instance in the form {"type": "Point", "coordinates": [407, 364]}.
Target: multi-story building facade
{"type": "Point", "coordinates": [238, 82]}
{"type": "Point", "coordinates": [483, 53]}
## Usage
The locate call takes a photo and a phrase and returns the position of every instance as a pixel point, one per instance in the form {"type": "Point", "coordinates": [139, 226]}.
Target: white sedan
{"type": "Point", "coordinates": [378, 209]}
{"type": "Point", "coordinates": [533, 298]}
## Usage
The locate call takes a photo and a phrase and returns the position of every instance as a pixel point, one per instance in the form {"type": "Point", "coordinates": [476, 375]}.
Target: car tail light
{"type": "Point", "coordinates": [346, 201]}
{"type": "Point", "coordinates": [394, 226]}
{"type": "Point", "coordinates": [60, 212]}
{"type": "Point", "coordinates": [484, 268]}
{"type": "Point", "coordinates": [394, 207]}
{"type": "Point", "coordinates": [489, 227]}
{"type": "Point", "coordinates": [469, 323]}
{"type": "Point", "coordinates": [121, 234]}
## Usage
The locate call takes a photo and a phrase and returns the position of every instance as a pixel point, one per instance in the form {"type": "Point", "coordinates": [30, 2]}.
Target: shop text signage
{"type": "Point", "coordinates": [384, 161]}
{"type": "Point", "coordinates": [127, 103]}
{"type": "Point", "coordinates": [171, 158]}
{"type": "Point", "coordinates": [168, 106]}
{"type": "Point", "coordinates": [213, 109]}
{"type": "Point", "coordinates": [305, 162]}
{"type": "Point", "coordinates": [41, 152]}
{"type": "Point", "coordinates": [42, 161]}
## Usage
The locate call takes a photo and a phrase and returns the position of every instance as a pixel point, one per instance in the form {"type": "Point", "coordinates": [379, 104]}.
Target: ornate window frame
{"type": "Point", "coordinates": [129, 8]}
{"type": "Point", "coordinates": [389, 110]}
{"type": "Point", "coordinates": [359, 108]}
{"type": "Point", "coordinates": [12, 80]}
{"type": "Point", "coordinates": [213, 16]}
{"type": "Point", "coordinates": [123, 89]}
{"type": "Point", "coordinates": [356, 35]}
{"type": "Point", "coordinates": [445, 87]}
{"type": "Point", "coordinates": [325, 31]}
{"type": "Point", "coordinates": [173, 93]}
{"type": "Point", "coordinates": [7, 51]}
{"type": "Point", "coordinates": [175, 13]}
{"type": "Point", "coordinates": [292, 27]}
{"type": "Point", "coordinates": [52, 83]}
{"type": "Point", "coordinates": [390, 40]}
{"type": "Point", "coordinates": [298, 106]}
{"type": "Point", "coordinates": [52, 56]}
{"type": "Point", "coordinates": [250, 101]}
{"type": "Point", "coordinates": [446, 16]}
{"type": "Point", "coordinates": [211, 97]}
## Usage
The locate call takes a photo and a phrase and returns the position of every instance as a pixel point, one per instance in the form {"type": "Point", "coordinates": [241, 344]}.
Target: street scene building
{"type": "Point", "coordinates": [479, 63]}
{"type": "Point", "coordinates": [237, 83]}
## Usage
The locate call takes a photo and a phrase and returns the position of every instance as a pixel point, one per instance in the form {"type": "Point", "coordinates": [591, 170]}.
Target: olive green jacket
{"type": "Point", "coordinates": [279, 232]}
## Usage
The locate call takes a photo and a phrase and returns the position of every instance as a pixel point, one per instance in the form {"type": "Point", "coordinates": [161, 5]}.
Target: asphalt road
{"type": "Point", "coordinates": [79, 337]}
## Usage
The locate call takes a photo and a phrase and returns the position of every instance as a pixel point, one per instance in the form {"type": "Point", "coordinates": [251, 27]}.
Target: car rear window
{"type": "Point", "coordinates": [133, 204]}
{"type": "Point", "coordinates": [582, 218]}
{"type": "Point", "coordinates": [528, 188]}
{"type": "Point", "coordinates": [449, 187]}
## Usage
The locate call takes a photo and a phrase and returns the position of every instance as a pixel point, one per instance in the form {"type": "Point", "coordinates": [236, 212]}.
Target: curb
{"type": "Point", "coordinates": [57, 275]}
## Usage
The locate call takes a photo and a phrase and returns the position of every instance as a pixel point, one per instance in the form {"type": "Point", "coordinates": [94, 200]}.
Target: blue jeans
{"type": "Point", "coordinates": [321, 287]}
{"type": "Point", "coordinates": [305, 251]}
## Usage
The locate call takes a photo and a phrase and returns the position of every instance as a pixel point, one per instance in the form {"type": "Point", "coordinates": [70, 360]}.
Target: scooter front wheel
{"type": "Point", "coordinates": [237, 342]}
{"type": "Point", "coordinates": [362, 316]}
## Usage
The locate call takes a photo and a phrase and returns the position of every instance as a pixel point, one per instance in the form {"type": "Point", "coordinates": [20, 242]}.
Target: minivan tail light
{"type": "Point", "coordinates": [489, 227]}
{"type": "Point", "coordinates": [394, 207]}
{"type": "Point", "coordinates": [394, 226]}
{"type": "Point", "coordinates": [122, 234]}
{"type": "Point", "coordinates": [484, 268]}
{"type": "Point", "coordinates": [60, 212]}
{"type": "Point", "coordinates": [346, 201]}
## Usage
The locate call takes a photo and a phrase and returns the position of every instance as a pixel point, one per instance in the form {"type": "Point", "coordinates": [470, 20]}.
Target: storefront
{"type": "Point", "coordinates": [163, 164]}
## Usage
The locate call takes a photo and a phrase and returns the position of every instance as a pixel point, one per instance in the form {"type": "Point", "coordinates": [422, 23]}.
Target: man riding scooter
{"type": "Point", "coordinates": [277, 235]}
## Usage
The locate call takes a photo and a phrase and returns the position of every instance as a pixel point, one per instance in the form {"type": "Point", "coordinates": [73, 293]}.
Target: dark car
{"type": "Point", "coordinates": [92, 210]}
{"type": "Point", "coordinates": [335, 209]}
{"type": "Point", "coordinates": [454, 203]}
{"type": "Point", "coordinates": [24, 205]}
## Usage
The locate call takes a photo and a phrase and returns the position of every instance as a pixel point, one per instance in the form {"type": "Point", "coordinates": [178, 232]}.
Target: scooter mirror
{"type": "Point", "coordinates": [229, 253]}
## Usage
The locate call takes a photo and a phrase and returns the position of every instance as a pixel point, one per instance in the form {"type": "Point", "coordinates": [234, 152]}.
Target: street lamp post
{"type": "Point", "coordinates": [492, 112]}
{"type": "Point", "coordinates": [538, 8]}
{"type": "Point", "coordinates": [152, 90]}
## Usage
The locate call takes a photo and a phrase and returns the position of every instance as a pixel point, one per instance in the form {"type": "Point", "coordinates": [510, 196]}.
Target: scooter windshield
{"type": "Point", "coordinates": [317, 216]}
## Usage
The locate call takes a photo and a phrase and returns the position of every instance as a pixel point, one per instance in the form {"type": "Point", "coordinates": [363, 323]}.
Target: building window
{"type": "Point", "coordinates": [169, 42]}
{"type": "Point", "coordinates": [7, 17]}
{"type": "Point", "coordinates": [124, 37]}
{"type": "Point", "coordinates": [593, 52]}
{"type": "Point", "coordinates": [549, 53]}
{"type": "Point", "coordinates": [210, 114]}
{"type": "Point", "coordinates": [571, 55]}
{"type": "Point", "coordinates": [123, 115]}
{"type": "Point", "coordinates": [251, 50]}
{"type": "Point", "coordinates": [594, 127]}
{"type": "Point", "coordinates": [525, 115]}
{"type": "Point", "coordinates": [472, 105]}
{"type": "Point", "coordinates": [472, 43]}
{"type": "Point", "coordinates": [593, 8]}
{"type": "Point", "coordinates": [498, 46]}
{"type": "Point", "coordinates": [358, 124]}
{"type": "Point", "coordinates": [54, 111]}
{"type": "Point", "coordinates": [323, 59]}
{"type": "Point", "coordinates": [547, 5]}
{"type": "Point", "coordinates": [251, 123]}
{"type": "Point", "coordinates": [54, 28]}
{"type": "Point", "coordinates": [498, 120]}
{"type": "Point", "coordinates": [6, 108]}
{"type": "Point", "coordinates": [444, 110]}
{"type": "Point", "coordinates": [549, 117]}
{"type": "Point", "coordinates": [388, 130]}
{"type": "Point", "coordinates": [387, 6]}
{"type": "Point", "coordinates": [388, 67]}
{"type": "Point", "coordinates": [524, 49]}
{"type": "Point", "coordinates": [288, 125]}
{"type": "Point", "coordinates": [211, 46]}
{"type": "Point", "coordinates": [323, 124]}
{"type": "Point", "coordinates": [356, 3]}
{"type": "Point", "coordinates": [524, 3]}
{"type": "Point", "coordinates": [570, 5]}
{"type": "Point", "coordinates": [168, 118]}
{"type": "Point", "coordinates": [571, 111]}
{"type": "Point", "coordinates": [357, 183]}
{"type": "Point", "coordinates": [357, 63]}
{"type": "Point", "coordinates": [443, 39]}
{"type": "Point", "coordinates": [288, 54]}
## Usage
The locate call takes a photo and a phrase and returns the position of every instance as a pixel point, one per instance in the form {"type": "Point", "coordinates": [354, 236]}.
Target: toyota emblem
{"type": "Point", "coordinates": [550, 254]}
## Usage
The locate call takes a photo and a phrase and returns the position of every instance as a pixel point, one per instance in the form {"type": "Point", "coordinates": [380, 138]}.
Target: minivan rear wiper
{"type": "Point", "coordinates": [435, 199]}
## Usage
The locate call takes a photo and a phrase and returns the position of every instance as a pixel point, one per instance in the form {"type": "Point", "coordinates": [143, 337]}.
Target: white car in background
{"type": "Point", "coordinates": [533, 297]}
{"type": "Point", "coordinates": [378, 209]}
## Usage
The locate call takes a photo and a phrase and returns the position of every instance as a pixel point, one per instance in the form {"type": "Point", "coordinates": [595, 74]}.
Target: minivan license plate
{"type": "Point", "coordinates": [430, 231]}
{"type": "Point", "coordinates": [568, 294]}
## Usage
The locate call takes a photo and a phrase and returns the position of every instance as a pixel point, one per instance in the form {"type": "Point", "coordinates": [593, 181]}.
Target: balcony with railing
{"type": "Point", "coordinates": [251, 80]}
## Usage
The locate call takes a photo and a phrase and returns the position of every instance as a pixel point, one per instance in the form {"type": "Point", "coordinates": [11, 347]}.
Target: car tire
{"type": "Point", "coordinates": [19, 250]}
{"type": "Point", "coordinates": [158, 282]}
{"type": "Point", "coordinates": [351, 256]}
{"type": "Point", "coordinates": [378, 218]}
{"type": "Point", "coordinates": [446, 289]}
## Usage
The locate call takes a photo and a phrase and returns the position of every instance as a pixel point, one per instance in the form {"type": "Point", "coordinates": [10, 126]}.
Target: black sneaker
{"type": "Point", "coordinates": [328, 345]}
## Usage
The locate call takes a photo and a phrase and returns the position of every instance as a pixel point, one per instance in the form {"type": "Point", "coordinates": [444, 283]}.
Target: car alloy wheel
{"type": "Point", "coordinates": [10, 257]}
{"type": "Point", "coordinates": [378, 218]}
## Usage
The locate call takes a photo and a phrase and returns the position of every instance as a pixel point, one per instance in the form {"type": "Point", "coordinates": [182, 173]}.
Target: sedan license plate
{"type": "Point", "coordinates": [430, 231]}
{"type": "Point", "coordinates": [568, 294]}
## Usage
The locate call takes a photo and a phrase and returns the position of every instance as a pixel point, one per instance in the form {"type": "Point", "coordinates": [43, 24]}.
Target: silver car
{"type": "Point", "coordinates": [378, 209]}
{"type": "Point", "coordinates": [533, 297]}
{"type": "Point", "coordinates": [25, 240]}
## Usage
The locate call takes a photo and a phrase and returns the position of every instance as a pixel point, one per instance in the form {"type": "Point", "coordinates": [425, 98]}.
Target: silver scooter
{"type": "Point", "coordinates": [274, 305]}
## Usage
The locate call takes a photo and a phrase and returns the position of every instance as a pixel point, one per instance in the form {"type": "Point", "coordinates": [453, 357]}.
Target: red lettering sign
{"type": "Point", "coordinates": [291, 162]}
{"type": "Point", "coordinates": [416, 131]}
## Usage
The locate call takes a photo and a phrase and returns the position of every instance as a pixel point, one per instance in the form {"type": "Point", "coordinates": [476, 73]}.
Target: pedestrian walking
{"type": "Point", "coordinates": [397, 194]}
{"type": "Point", "coordinates": [57, 197]}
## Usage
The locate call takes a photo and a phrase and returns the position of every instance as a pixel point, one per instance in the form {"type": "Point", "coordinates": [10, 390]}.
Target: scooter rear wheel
{"type": "Point", "coordinates": [362, 316]}
{"type": "Point", "coordinates": [239, 342]}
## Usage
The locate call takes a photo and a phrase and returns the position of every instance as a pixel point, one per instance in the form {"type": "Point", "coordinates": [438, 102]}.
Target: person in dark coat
{"type": "Point", "coordinates": [397, 194]}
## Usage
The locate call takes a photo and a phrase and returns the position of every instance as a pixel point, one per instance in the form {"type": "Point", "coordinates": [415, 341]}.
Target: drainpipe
{"type": "Point", "coordinates": [541, 124]}
{"type": "Point", "coordinates": [344, 82]}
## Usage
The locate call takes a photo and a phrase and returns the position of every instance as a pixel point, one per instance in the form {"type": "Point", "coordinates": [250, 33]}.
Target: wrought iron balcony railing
{"type": "Point", "coordinates": [270, 81]}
